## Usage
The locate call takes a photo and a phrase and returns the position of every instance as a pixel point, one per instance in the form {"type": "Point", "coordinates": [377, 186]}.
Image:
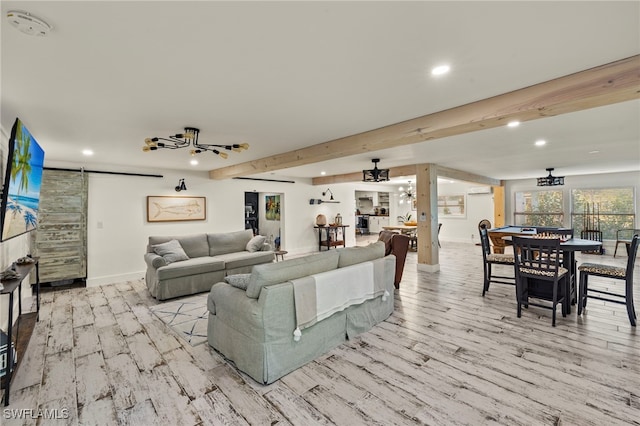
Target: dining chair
{"type": "Point", "coordinates": [623, 236]}
{"type": "Point", "coordinates": [562, 233]}
{"type": "Point", "coordinates": [540, 276]}
{"type": "Point", "coordinates": [614, 272]}
{"type": "Point", "coordinates": [486, 223]}
{"type": "Point", "coordinates": [489, 259]}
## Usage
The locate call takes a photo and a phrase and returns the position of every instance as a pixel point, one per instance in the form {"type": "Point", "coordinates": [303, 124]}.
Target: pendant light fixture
{"type": "Point", "coordinates": [190, 139]}
{"type": "Point", "coordinates": [375, 174]}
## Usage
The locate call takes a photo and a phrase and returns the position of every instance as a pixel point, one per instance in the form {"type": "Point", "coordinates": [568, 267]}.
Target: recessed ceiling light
{"type": "Point", "coordinates": [440, 70]}
{"type": "Point", "coordinates": [541, 142]}
{"type": "Point", "coordinates": [513, 124]}
{"type": "Point", "coordinates": [594, 152]}
{"type": "Point", "coordinates": [322, 173]}
{"type": "Point", "coordinates": [194, 162]}
{"type": "Point", "coordinates": [87, 152]}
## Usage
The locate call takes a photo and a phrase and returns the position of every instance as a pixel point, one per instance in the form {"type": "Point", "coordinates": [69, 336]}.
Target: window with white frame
{"type": "Point", "coordinates": [604, 209]}
{"type": "Point", "coordinates": [538, 208]}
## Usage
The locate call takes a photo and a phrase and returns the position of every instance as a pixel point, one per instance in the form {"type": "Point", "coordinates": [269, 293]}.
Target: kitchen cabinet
{"type": "Point", "coordinates": [376, 223]}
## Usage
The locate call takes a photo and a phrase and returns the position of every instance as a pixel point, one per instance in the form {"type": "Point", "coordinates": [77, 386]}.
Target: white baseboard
{"type": "Point", "coordinates": [428, 268]}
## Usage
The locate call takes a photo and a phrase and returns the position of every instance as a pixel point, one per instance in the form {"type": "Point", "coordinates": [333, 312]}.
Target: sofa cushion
{"type": "Point", "coordinates": [198, 265]}
{"type": "Point", "coordinates": [229, 242]}
{"type": "Point", "coordinates": [290, 269]}
{"type": "Point", "coordinates": [171, 251]}
{"type": "Point", "coordinates": [193, 245]}
{"type": "Point", "coordinates": [353, 255]}
{"type": "Point", "coordinates": [244, 258]}
{"type": "Point", "coordinates": [256, 243]}
{"type": "Point", "coordinates": [238, 280]}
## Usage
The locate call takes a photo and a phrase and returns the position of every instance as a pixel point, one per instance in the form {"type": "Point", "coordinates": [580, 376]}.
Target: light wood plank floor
{"type": "Point", "coordinates": [446, 356]}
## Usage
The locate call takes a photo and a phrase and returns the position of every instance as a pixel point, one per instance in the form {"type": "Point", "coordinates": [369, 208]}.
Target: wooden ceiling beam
{"type": "Point", "coordinates": [604, 85]}
{"type": "Point", "coordinates": [446, 172]}
{"type": "Point", "coordinates": [410, 170]}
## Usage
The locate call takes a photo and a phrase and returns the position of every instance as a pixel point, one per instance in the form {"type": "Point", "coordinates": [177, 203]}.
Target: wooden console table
{"type": "Point", "coordinates": [333, 236]}
{"type": "Point", "coordinates": [9, 288]}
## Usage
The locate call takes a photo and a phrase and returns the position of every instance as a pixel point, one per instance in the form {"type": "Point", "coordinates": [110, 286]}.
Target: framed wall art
{"type": "Point", "coordinates": [451, 206]}
{"type": "Point", "coordinates": [173, 209]}
{"type": "Point", "coordinates": [272, 207]}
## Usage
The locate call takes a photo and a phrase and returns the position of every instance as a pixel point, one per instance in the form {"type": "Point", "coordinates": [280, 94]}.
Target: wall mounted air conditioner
{"type": "Point", "coordinates": [475, 190]}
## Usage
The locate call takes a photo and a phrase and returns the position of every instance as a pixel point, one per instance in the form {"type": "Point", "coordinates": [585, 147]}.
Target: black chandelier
{"type": "Point", "coordinates": [375, 174]}
{"type": "Point", "coordinates": [190, 138]}
{"type": "Point", "coordinates": [550, 180]}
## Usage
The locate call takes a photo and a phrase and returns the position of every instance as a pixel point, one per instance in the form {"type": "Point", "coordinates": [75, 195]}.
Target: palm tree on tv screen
{"type": "Point", "coordinates": [21, 160]}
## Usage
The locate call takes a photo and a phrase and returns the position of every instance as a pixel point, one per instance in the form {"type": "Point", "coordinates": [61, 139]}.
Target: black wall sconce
{"type": "Point", "coordinates": [324, 194]}
{"type": "Point", "coordinates": [181, 186]}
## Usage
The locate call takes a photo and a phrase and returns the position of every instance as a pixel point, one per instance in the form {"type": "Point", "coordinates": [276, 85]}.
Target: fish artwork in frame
{"type": "Point", "coordinates": [172, 208]}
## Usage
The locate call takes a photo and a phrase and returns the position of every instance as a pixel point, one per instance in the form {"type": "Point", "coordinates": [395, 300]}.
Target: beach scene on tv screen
{"type": "Point", "coordinates": [24, 184]}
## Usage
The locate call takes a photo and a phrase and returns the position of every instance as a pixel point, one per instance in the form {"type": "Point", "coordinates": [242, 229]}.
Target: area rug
{"type": "Point", "coordinates": [186, 316]}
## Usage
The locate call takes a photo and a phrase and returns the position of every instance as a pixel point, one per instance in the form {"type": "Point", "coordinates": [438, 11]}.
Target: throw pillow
{"type": "Point", "coordinates": [171, 251]}
{"type": "Point", "coordinates": [238, 280]}
{"type": "Point", "coordinates": [256, 243]}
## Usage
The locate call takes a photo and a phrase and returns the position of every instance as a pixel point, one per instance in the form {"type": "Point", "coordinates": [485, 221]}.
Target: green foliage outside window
{"type": "Point", "coordinates": [614, 209]}
{"type": "Point", "coordinates": [538, 208]}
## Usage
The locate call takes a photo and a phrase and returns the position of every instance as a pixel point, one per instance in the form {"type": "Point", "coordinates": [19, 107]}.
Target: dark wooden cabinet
{"type": "Point", "coordinates": [251, 211]}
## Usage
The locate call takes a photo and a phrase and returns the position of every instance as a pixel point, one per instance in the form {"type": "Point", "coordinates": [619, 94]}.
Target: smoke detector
{"type": "Point", "coordinates": [27, 23]}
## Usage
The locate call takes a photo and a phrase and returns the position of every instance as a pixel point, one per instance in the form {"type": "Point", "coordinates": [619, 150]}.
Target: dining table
{"type": "Point", "coordinates": [404, 229]}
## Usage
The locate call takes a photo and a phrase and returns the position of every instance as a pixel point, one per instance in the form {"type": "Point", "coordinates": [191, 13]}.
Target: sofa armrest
{"type": "Point", "coordinates": [230, 304]}
{"type": "Point", "coordinates": [154, 261]}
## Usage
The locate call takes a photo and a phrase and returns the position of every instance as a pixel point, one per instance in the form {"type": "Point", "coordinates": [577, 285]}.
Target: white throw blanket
{"type": "Point", "coordinates": [321, 295]}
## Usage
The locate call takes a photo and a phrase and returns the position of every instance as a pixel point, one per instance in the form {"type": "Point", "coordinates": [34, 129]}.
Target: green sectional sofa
{"type": "Point", "coordinates": [296, 310]}
{"type": "Point", "coordinates": [204, 260]}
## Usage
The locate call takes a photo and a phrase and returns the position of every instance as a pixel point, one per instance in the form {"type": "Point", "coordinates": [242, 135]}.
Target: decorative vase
{"type": "Point", "coordinates": [338, 220]}
{"type": "Point", "coordinates": [321, 220]}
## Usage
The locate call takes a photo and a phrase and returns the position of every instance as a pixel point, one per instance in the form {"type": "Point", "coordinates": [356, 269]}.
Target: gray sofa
{"type": "Point", "coordinates": [206, 259]}
{"type": "Point", "coordinates": [259, 328]}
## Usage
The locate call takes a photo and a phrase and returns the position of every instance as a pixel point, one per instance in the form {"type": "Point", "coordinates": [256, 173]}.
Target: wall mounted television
{"type": "Point", "coordinates": [22, 182]}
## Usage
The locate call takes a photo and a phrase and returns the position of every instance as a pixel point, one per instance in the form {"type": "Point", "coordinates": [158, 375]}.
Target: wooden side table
{"type": "Point", "coordinates": [280, 253]}
{"type": "Point", "coordinates": [334, 236]}
{"type": "Point", "coordinates": [9, 288]}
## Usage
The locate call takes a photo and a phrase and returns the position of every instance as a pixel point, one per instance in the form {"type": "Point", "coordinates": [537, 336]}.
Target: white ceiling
{"type": "Point", "coordinates": [286, 75]}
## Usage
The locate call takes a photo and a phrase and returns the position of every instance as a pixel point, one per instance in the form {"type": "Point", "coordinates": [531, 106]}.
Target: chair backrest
{"type": "Point", "coordinates": [398, 245]}
{"type": "Point", "coordinates": [626, 234]}
{"type": "Point", "coordinates": [484, 241]}
{"type": "Point", "coordinates": [484, 222]}
{"type": "Point", "coordinates": [631, 260]}
{"type": "Point", "coordinates": [538, 257]}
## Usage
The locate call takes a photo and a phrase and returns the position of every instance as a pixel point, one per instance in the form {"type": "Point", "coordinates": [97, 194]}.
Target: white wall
{"type": "Point", "coordinates": [477, 207]}
{"type": "Point", "coordinates": [118, 229]}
